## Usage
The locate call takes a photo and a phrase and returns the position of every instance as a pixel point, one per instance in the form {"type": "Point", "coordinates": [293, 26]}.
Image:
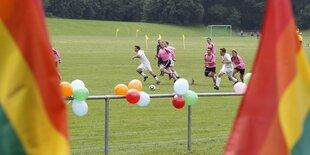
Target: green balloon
{"type": "Point", "coordinates": [80, 93]}
{"type": "Point", "coordinates": [190, 98]}
{"type": "Point", "coordinates": [246, 78]}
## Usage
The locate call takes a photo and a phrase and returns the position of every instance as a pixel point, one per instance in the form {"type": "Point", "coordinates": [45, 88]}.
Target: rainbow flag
{"type": "Point", "coordinates": [274, 116]}
{"type": "Point", "coordinates": [32, 111]}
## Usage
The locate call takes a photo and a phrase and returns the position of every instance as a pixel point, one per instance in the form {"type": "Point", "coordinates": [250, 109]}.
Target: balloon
{"type": "Point", "coordinates": [178, 102]}
{"type": "Point", "coordinates": [79, 108]}
{"type": "Point", "coordinates": [80, 93]}
{"type": "Point", "coordinates": [240, 87]}
{"type": "Point", "coordinates": [247, 77]}
{"type": "Point", "coordinates": [66, 89]}
{"type": "Point", "coordinates": [77, 83]}
{"type": "Point", "coordinates": [133, 96]}
{"type": "Point", "coordinates": [144, 99]}
{"type": "Point", "coordinates": [190, 97]}
{"type": "Point", "coordinates": [135, 84]}
{"type": "Point", "coordinates": [120, 89]}
{"type": "Point", "coordinates": [181, 86]}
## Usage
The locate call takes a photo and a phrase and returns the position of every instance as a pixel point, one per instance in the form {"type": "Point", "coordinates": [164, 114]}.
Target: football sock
{"type": "Point", "coordinates": [218, 81]}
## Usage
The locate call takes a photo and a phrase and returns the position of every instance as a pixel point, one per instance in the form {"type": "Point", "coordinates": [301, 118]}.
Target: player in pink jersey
{"type": "Point", "coordinates": [57, 59]}
{"type": "Point", "coordinates": [164, 54]}
{"type": "Point", "coordinates": [210, 65]}
{"type": "Point", "coordinates": [239, 64]}
{"type": "Point", "coordinates": [172, 59]}
{"type": "Point", "coordinates": [211, 45]}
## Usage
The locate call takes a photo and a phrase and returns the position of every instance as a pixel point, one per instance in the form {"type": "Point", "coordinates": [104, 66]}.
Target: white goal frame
{"type": "Point", "coordinates": [211, 28]}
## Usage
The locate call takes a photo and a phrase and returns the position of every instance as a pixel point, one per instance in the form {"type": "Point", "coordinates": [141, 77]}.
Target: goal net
{"type": "Point", "coordinates": [219, 30]}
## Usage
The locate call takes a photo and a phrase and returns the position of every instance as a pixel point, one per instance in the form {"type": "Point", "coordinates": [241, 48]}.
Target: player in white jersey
{"type": "Point", "coordinates": [172, 59]}
{"type": "Point", "coordinates": [145, 64]}
{"type": "Point", "coordinates": [226, 69]}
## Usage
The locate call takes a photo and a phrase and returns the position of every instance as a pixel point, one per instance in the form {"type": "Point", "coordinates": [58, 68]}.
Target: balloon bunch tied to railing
{"type": "Point", "coordinates": [134, 94]}
{"type": "Point", "coordinates": [79, 92]}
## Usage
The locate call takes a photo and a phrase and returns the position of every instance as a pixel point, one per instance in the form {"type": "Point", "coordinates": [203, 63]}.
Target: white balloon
{"type": "Point", "coordinates": [240, 87]}
{"type": "Point", "coordinates": [181, 86]}
{"type": "Point", "coordinates": [77, 83]}
{"type": "Point", "coordinates": [79, 108]}
{"type": "Point", "coordinates": [144, 99]}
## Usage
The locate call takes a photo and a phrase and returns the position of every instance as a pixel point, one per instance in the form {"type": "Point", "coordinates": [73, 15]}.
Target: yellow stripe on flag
{"type": "Point", "coordinates": [292, 113]}
{"type": "Point", "coordinates": [146, 37]}
{"type": "Point", "coordinates": [18, 87]}
{"type": "Point", "coordinates": [117, 30]}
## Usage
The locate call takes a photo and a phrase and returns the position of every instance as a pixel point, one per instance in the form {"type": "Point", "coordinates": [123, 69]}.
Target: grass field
{"type": "Point", "coordinates": [91, 52]}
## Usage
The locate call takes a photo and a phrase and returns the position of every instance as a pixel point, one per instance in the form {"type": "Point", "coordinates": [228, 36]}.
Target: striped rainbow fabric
{"type": "Point", "coordinates": [274, 116]}
{"type": "Point", "coordinates": [32, 111]}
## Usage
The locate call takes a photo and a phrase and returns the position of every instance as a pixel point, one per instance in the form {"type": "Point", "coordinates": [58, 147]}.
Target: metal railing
{"type": "Point", "coordinates": [107, 99]}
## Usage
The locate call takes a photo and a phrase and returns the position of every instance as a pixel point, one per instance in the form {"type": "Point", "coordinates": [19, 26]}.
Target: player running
{"type": "Point", "coordinates": [239, 64]}
{"type": "Point", "coordinates": [210, 65]}
{"type": "Point", "coordinates": [164, 54]}
{"type": "Point", "coordinates": [172, 59]}
{"type": "Point", "coordinates": [145, 64]}
{"type": "Point", "coordinates": [226, 69]}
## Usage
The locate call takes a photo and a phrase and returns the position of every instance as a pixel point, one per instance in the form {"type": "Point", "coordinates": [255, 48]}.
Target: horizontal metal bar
{"type": "Point", "coordinates": [161, 96]}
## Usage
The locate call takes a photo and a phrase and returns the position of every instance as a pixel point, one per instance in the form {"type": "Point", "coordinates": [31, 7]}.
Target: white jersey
{"type": "Point", "coordinates": [171, 49]}
{"type": "Point", "coordinates": [227, 57]}
{"type": "Point", "coordinates": [143, 58]}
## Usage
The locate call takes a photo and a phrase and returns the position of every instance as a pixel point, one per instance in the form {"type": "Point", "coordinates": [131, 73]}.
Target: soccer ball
{"type": "Point", "coordinates": [152, 87]}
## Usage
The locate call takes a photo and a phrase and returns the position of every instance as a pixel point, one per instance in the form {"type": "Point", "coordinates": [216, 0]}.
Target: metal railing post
{"type": "Point", "coordinates": [106, 131]}
{"type": "Point", "coordinates": [189, 129]}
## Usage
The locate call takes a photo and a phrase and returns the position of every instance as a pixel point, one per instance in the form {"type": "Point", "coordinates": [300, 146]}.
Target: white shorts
{"type": "Point", "coordinates": [172, 63]}
{"type": "Point", "coordinates": [227, 71]}
{"type": "Point", "coordinates": [145, 67]}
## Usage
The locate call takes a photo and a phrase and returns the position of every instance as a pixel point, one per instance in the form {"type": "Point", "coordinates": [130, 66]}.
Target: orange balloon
{"type": "Point", "coordinates": [135, 84]}
{"type": "Point", "coordinates": [66, 89]}
{"type": "Point", "coordinates": [120, 89]}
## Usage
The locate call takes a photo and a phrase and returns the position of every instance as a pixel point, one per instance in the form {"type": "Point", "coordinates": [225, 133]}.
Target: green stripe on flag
{"type": "Point", "coordinates": [302, 147]}
{"type": "Point", "coordinates": [9, 142]}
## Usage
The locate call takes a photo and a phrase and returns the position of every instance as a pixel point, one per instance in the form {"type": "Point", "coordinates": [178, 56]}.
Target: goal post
{"type": "Point", "coordinates": [212, 28]}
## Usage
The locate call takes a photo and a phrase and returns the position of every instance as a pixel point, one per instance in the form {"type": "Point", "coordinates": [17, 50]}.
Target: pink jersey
{"type": "Point", "coordinates": [164, 54]}
{"type": "Point", "coordinates": [210, 58]}
{"type": "Point", "coordinates": [56, 54]}
{"type": "Point", "coordinates": [237, 60]}
{"type": "Point", "coordinates": [212, 46]}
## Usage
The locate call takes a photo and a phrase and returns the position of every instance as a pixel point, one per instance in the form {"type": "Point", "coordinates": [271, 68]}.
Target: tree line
{"type": "Point", "coordinates": [243, 14]}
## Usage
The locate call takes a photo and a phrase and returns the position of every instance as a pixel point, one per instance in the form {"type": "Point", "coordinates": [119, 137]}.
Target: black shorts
{"type": "Point", "coordinates": [166, 63]}
{"type": "Point", "coordinates": [160, 61]}
{"type": "Point", "coordinates": [240, 70]}
{"type": "Point", "coordinates": [208, 70]}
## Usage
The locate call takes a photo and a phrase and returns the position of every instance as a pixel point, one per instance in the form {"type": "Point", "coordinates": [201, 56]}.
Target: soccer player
{"type": "Point", "coordinates": [226, 69]}
{"type": "Point", "coordinates": [172, 59]}
{"type": "Point", "coordinates": [211, 45]}
{"type": "Point", "coordinates": [159, 60]}
{"type": "Point", "coordinates": [210, 65]}
{"type": "Point", "coordinates": [239, 64]}
{"type": "Point", "coordinates": [57, 59]}
{"type": "Point", "coordinates": [164, 54]}
{"type": "Point", "coordinates": [145, 64]}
